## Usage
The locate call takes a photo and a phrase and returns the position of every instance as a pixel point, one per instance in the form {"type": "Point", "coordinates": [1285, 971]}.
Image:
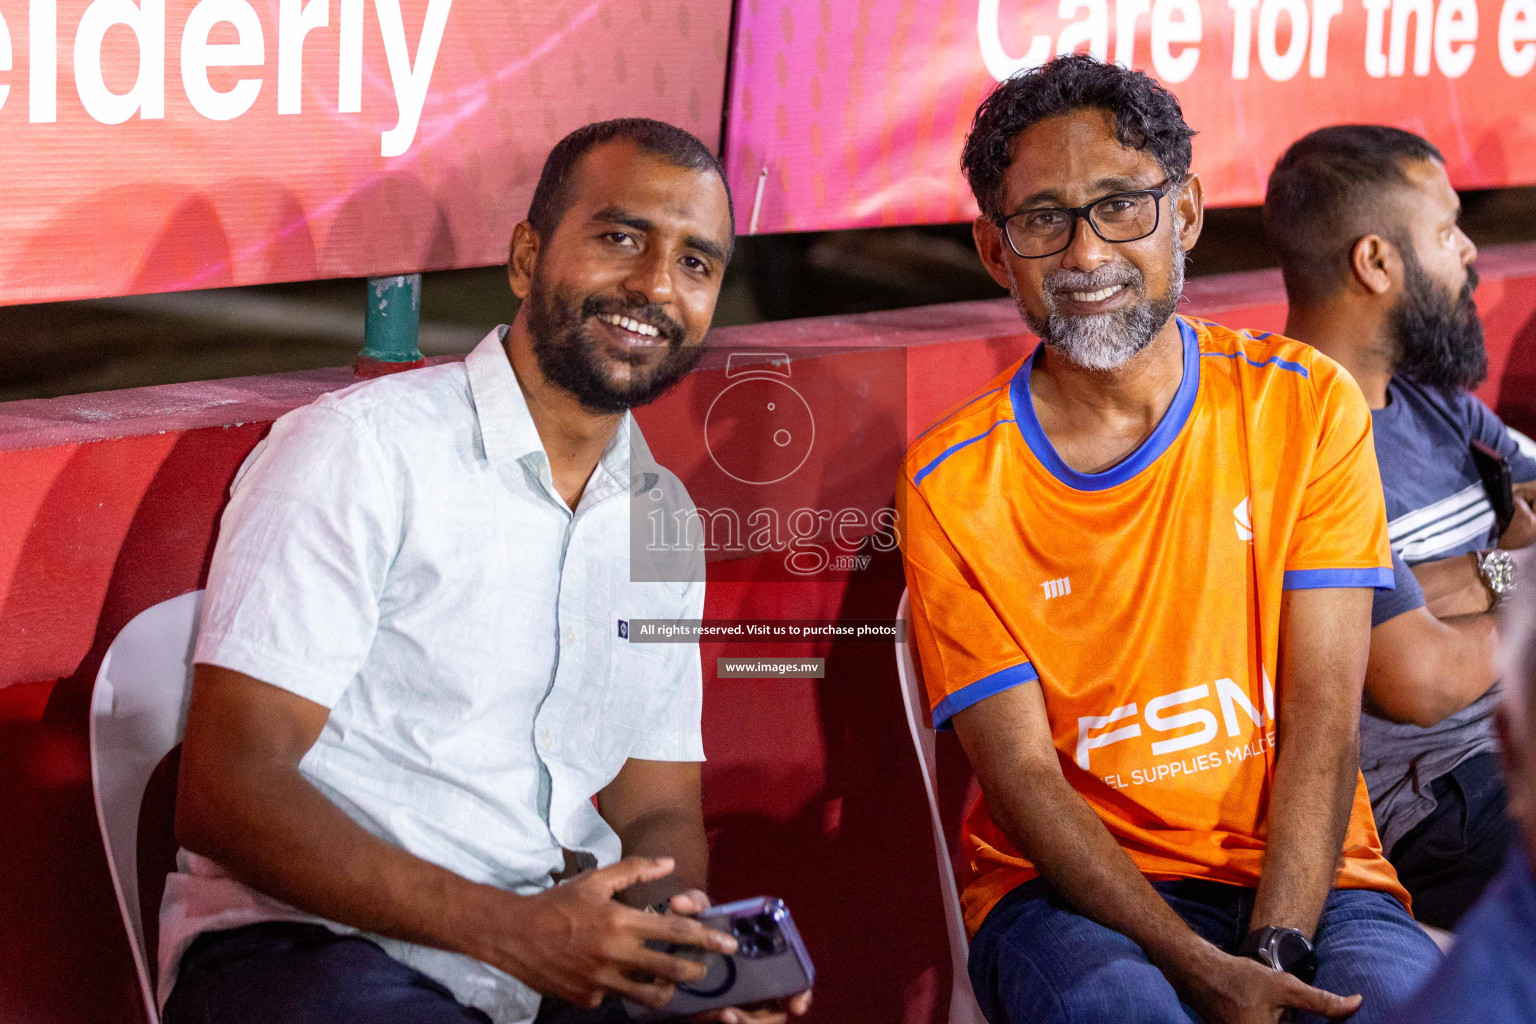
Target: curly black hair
{"type": "Point", "coordinates": [1147, 116]}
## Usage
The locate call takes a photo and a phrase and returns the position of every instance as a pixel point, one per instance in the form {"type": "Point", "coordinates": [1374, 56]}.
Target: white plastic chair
{"type": "Point", "coordinates": [962, 1001]}
{"type": "Point", "coordinates": [138, 712]}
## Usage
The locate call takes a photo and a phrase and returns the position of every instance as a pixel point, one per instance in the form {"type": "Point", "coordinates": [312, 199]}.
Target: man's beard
{"type": "Point", "coordinates": [1439, 337]}
{"type": "Point", "coordinates": [1106, 341]}
{"type": "Point", "coordinates": [570, 358]}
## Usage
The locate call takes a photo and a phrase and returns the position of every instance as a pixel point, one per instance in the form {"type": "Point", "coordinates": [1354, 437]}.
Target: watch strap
{"type": "Point", "coordinates": [1252, 944]}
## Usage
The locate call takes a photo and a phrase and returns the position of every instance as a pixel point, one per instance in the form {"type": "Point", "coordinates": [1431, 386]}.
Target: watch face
{"type": "Point", "coordinates": [1293, 954]}
{"type": "Point", "coordinates": [1500, 570]}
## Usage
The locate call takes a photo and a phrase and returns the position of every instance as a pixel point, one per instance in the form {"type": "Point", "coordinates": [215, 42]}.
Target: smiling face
{"type": "Point", "coordinates": [619, 297]}
{"type": "Point", "coordinates": [1096, 302]}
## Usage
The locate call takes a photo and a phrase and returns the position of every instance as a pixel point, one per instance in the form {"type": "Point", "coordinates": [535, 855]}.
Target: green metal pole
{"type": "Point", "coordinates": [392, 326]}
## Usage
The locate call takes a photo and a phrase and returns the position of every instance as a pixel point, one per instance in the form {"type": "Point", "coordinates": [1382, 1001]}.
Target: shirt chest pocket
{"type": "Point", "coordinates": [599, 717]}
{"type": "Point", "coordinates": [637, 684]}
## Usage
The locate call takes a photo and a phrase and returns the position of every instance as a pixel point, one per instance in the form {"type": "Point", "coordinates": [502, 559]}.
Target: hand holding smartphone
{"type": "Point", "coordinates": [770, 962]}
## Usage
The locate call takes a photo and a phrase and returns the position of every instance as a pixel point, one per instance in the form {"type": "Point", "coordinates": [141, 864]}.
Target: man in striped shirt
{"type": "Point", "coordinates": [1380, 277]}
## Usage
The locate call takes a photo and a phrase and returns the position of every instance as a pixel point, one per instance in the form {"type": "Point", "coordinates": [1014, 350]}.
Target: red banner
{"type": "Point", "coordinates": [171, 144]}
{"type": "Point", "coordinates": [853, 114]}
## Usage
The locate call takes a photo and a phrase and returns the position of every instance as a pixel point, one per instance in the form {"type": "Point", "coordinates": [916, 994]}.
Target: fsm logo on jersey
{"type": "Point", "coordinates": [1185, 719]}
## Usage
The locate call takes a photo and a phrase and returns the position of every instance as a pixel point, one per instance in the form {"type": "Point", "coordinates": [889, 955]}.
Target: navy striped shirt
{"type": "Point", "coordinates": [1436, 508]}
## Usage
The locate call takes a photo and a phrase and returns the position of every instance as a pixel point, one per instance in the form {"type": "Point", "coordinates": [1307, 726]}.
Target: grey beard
{"type": "Point", "coordinates": [1106, 341]}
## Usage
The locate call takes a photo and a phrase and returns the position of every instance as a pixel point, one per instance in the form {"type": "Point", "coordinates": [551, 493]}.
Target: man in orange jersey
{"type": "Point", "coordinates": [1141, 565]}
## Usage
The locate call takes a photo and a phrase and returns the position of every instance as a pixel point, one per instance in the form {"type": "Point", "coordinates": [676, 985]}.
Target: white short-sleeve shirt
{"type": "Point", "coordinates": [397, 553]}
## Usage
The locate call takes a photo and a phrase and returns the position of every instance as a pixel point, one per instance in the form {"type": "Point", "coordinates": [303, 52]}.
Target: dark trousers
{"type": "Point", "coordinates": [282, 971]}
{"type": "Point", "coordinates": [1447, 859]}
{"type": "Point", "coordinates": [1036, 961]}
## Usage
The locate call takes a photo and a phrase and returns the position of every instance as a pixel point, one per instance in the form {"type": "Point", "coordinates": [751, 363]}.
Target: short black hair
{"type": "Point", "coordinates": [1147, 117]}
{"type": "Point", "coordinates": [552, 195]}
{"type": "Point", "coordinates": [1324, 195]}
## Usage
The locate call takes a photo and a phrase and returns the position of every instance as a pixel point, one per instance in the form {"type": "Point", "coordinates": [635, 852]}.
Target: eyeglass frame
{"type": "Point", "coordinates": [1081, 212]}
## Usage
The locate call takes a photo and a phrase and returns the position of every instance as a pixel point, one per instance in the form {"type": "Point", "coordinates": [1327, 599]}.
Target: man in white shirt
{"type": "Point", "coordinates": [415, 705]}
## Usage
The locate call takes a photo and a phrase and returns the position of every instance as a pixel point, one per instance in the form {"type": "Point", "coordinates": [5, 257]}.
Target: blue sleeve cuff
{"type": "Point", "coordinates": [1387, 605]}
{"type": "Point", "coordinates": [980, 690]}
{"type": "Point", "coordinates": [1317, 579]}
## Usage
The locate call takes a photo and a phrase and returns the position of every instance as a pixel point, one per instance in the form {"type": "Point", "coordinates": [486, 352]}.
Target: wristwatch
{"type": "Point", "coordinates": [1497, 569]}
{"type": "Point", "coordinates": [1281, 949]}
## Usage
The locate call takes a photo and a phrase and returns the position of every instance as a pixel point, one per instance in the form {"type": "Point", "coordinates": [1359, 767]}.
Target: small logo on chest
{"type": "Point", "coordinates": [1244, 520]}
{"type": "Point", "coordinates": [623, 629]}
{"type": "Point", "coordinates": [1057, 588]}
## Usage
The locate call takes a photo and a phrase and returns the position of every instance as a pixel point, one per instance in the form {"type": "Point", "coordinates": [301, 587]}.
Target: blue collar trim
{"type": "Point", "coordinates": [1145, 454]}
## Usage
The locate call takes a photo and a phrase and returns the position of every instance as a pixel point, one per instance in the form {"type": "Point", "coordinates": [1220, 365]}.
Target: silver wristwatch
{"type": "Point", "coordinates": [1497, 569]}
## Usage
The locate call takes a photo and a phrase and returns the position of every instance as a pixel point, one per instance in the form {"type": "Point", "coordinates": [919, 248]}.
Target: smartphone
{"type": "Point", "coordinates": [1494, 470]}
{"type": "Point", "coordinates": [770, 962]}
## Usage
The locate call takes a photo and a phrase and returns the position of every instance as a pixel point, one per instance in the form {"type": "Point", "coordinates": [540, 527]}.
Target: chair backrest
{"type": "Point", "coordinates": [962, 1001]}
{"type": "Point", "coordinates": [138, 712]}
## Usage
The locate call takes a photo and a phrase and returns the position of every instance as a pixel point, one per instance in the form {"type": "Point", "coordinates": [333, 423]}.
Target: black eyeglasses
{"type": "Point", "coordinates": [1122, 217]}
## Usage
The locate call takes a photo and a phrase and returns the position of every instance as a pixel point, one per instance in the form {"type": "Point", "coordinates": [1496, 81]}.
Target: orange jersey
{"type": "Point", "coordinates": [1145, 600]}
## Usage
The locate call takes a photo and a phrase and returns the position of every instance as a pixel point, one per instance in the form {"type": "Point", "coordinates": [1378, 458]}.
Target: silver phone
{"type": "Point", "coordinates": [770, 962]}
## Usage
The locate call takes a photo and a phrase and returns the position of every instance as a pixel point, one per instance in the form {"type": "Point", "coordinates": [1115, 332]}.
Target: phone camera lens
{"type": "Point", "coordinates": [765, 923]}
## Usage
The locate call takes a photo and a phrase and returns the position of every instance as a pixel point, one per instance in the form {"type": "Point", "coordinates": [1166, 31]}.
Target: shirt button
{"type": "Point", "coordinates": [545, 738]}
{"type": "Point", "coordinates": [570, 635]}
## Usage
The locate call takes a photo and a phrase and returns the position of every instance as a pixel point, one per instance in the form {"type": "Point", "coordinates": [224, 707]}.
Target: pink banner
{"type": "Point", "coordinates": [171, 144]}
{"type": "Point", "coordinates": [853, 114]}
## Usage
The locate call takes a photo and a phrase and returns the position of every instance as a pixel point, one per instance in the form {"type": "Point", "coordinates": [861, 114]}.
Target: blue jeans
{"type": "Point", "coordinates": [1035, 961]}
{"type": "Point", "coordinates": [303, 974]}
{"type": "Point", "coordinates": [283, 972]}
{"type": "Point", "coordinates": [1447, 860]}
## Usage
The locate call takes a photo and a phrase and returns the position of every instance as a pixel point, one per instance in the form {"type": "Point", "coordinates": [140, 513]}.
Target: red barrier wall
{"type": "Point", "coordinates": [109, 505]}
